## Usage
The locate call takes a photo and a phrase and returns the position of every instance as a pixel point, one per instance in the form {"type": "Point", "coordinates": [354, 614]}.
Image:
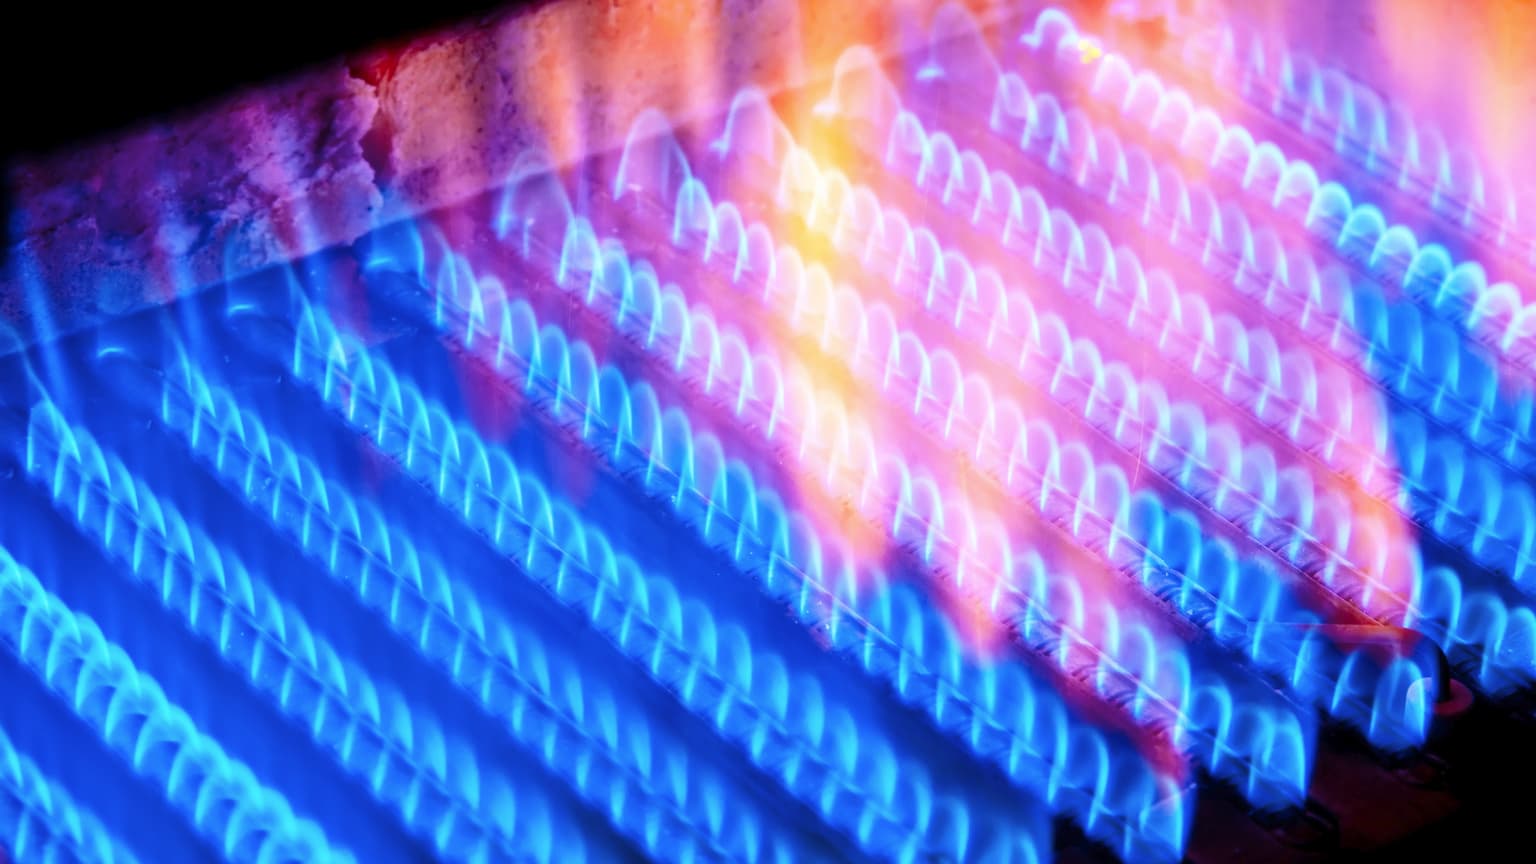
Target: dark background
{"type": "Point", "coordinates": [75, 73]}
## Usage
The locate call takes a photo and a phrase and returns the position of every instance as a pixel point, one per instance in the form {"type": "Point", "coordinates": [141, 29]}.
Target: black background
{"type": "Point", "coordinates": [75, 72]}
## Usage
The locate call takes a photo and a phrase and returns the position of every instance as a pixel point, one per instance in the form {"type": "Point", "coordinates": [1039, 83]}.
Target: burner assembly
{"type": "Point", "coordinates": [1011, 433]}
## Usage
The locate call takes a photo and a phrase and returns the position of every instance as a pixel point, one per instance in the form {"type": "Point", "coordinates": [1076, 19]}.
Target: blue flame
{"type": "Point", "coordinates": [266, 639]}
{"type": "Point", "coordinates": [1250, 467]}
{"type": "Point", "coordinates": [923, 515]}
{"type": "Point", "coordinates": [926, 518]}
{"type": "Point", "coordinates": [41, 821]}
{"type": "Point", "coordinates": [549, 540]}
{"type": "Point", "coordinates": [520, 519]}
{"type": "Point", "coordinates": [242, 819]}
{"type": "Point", "coordinates": [659, 455]}
{"type": "Point", "coordinates": [1193, 515]}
